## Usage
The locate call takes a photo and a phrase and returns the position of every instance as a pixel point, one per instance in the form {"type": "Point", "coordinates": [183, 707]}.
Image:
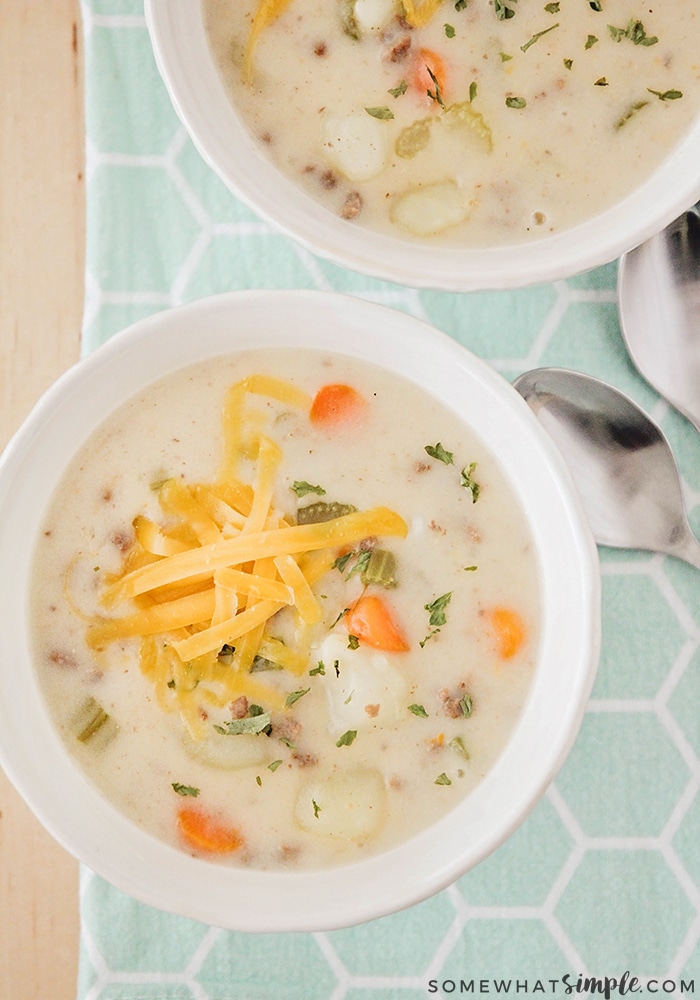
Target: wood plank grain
{"type": "Point", "coordinates": [41, 295]}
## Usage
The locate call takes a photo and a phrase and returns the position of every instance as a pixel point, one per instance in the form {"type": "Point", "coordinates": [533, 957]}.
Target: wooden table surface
{"type": "Point", "coordinates": [41, 298]}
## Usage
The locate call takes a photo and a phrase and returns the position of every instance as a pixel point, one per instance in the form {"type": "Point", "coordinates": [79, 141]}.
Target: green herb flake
{"type": "Point", "coordinates": [504, 57]}
{"type": "Point", "coordinates": [383, 113]}
{"type": "Point", "coordinates": [419, 711]}
{"type": "Point", "coordinates": [442, 779]}
{"type": "Point", "coordinates": [347, 739]}
{"type": "Point", "coordinates": [568, 63]}
{"type": "Point", "coordinates": [629, 113]}
{"type": "Point", "coordinates": [470, 569]}
{"type": "Point", "coordinates": [273, 765]}
{"type": "Point", "coordinates": [466, 706]}
{"type": "Point", "coordinates": [449, 31]}
{"type": "Point", "coordinates": [536, 37]}
{"type": "Point", "coordinates": [294, 696]}
{"type": "Point", "coordinates": [458, 746]}
{"type": "Point", "coordinates": [552, 8]}
{"type": "Point", "coordinates": [225, 654]}
{"type": "Point", "coordinates": [515, 102]}
{"type": "Point", "coordinates": [502, 12]}
{"type": "Point", "coordinates": [258, 780]}
{"type": "Point", "coordinates": [634, 32]}
{"type": "Point", "coordinates": [438, 452]}
{"type": "Point", "coordinates": [472, 91]}
{"type": "Point", "coordinates": [399, 90]}
{"type": "Point", "coordinates": [595, 5]}
{"type": "Point", "coordinates": [601, 82]}
{"type": "Point", "coordinates": [460, 4]}
{"type": "Point", "coordinates": [353, 642]}
{"type": "Point", "coordinates": [590, 41]}
{"type": "Point", "coordinates": [316, 807]}
{"type": "Point", "coordinates": [252, 724]}
{"type": "Point", "coordinates": [185, 790]}
{"type": "Point", "coordinates": [437, 608]}
{"type": "Point", "coordinates": [434, 95]}
{"type": "Point", "coordinates": [319, 670]}
{"type": "Point", "coordinates": [302, 488]}
{"type": "Point", "coordinates": [666, 95]}
{"type": "Point", "coordinates": [468, 482]}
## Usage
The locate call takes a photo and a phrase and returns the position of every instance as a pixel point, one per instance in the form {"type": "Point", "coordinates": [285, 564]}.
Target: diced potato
{"type": "Point", "coordinates": [349, 804]}
{"type": "Point", "coordinates": [356, 144]}
{"type": "Point", "coordinates": [372, 15]}
{"type": "Point", "coordinates": [366, 688]}
{"type": "Point", "coordinates": [230, 753]}
{"type": "Point", "coordinates": [431, 209]}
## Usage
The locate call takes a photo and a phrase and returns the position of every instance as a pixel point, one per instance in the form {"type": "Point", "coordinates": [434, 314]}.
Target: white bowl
{"type": "Point", "coordinates": [183, 57]}
{"type": "Point", "coordinates": [89, 826]}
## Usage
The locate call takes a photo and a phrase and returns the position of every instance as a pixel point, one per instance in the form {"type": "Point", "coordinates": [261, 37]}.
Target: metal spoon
{"type": "Point", "coordinates": [659, 303]}
{"type": "Point", "coordinates": [620, 461]}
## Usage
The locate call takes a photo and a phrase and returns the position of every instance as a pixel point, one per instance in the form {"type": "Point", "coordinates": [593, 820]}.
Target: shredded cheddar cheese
{"type": "Point", "coordinates": [200, 589]}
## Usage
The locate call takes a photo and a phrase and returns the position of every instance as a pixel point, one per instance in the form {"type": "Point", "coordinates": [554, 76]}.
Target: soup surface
{"type": "Point", "coordinates": [285, 609]}
{"type": "Point", "coordinates": [468, 122]}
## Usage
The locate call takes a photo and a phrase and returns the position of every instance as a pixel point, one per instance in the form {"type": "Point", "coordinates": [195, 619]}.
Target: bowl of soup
{"type": "Point", "coordinates": [456, 146]}
{"type": "Point", "coordinates": [299, 610]}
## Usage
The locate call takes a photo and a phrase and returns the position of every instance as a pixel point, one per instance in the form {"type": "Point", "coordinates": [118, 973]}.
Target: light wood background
{"type": "Point", "coordinates": [41, 296]}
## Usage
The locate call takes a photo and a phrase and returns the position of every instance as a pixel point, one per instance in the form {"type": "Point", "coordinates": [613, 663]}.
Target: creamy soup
{"type": "Point", "coordinates": [471, 122]}
{"type": "Point", "coordinates": [285, 609]}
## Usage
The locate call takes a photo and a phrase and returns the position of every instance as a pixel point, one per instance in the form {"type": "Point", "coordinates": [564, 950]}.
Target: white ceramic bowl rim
{"type": "Point", "coordinates": [48, 777]}
{"type": "Point", "coordinates": [181, 50]}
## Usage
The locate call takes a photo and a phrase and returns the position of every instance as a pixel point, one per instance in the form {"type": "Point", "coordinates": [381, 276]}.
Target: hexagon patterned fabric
{"type": "Point", "coordinates": [604, 877]}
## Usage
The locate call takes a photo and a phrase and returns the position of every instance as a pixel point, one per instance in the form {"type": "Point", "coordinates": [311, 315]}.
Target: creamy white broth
{"type": "Point", "coordinates": [301, 799]}
{"type": "Point", "coordinates": [589, 130]}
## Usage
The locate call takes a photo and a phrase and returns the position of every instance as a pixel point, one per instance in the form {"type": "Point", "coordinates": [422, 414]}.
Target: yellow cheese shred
{"type": "Point", "coordinates": [200, 589]}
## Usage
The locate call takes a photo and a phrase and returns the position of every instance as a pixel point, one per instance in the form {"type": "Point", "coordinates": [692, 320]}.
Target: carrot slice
{"type": "Point", "coordinates": [508, 629]}
{"type": "Point", "coordinates": [337, 404]}
{"type": "Point", "coordinates": [204, 833]}
{"type": "Point", "coordinates": [371, 621]}
{"type": "Point", "coordinates": [429, 75]}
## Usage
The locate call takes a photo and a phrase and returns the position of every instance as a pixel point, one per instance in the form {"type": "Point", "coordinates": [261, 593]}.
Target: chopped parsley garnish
{"type": "Point", "coordinates": [419, 711]}
{"type": "Point", "coordinates": [302, 488]}
{"type": "Point", "coordinates": [317, 808]}
{"type": "Point", "coordinates": [383, 113]}
{"type": "Point", "coordinates": [601, 82]}
{"type": "Point", "coordinates": [468, 482]}
{"type": "Point", "coordinates": [552, 8]}
{"type": "Point", "coordinates": [466, 705]}
{"type": "Point", "coordinates": [470, 569]}
{"type": "Point", "coordinates": [438, 452]}
{"type": "Point", "coordinates": [634, 32]}
{"type": "Point", "coordinates": [666, 95]}
{"type": "Point", "coordinates": [595, 5]}
{"type": "Point", "coordinates": [273, 765]}
{"type": "Point", "coordinates": [186, 790]}
{"type": "Point", "coordinates": [353, 642]}
{"type": "Point", "coordinates": [568, 63]}
{"type": "Point", "coordinates": [442, 779]}
{"type": "Point", "coordinates": [251, 724]}
{"type": "Point", "coordinates": [472, 91]}
{"type": "Point", "coordinates": [515, 102]}
{"type": "Point", "coordinates": [347, 739]}
{"type": "Point", "coordinates": [318, 670]}
{"type": "Point", "coordinates": [294, 696]}
{"type": "Point", "coordinates": [591, 41]}
{"type": "Point", "coordinates": [536, 37]}
{"type": "Point", "coordinates": [460, 4]}
{"type": "Point", "coordinates": [501, 11]}
{"type": "Point", "coordinates": [225, 654]}
{"type": "Point", "coordinates": [631, 111]}
{"type": "Point", "coordinates": [434, 95]}
{"type": "Point", "coordinates": [398, 91]}
{"type": "Point", "coordinates": [449, 31]}
{"type": "Point", "coordinates": [437, 608]}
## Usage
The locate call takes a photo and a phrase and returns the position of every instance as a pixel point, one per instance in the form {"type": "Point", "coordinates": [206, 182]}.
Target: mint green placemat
{"type": "Point", "coordinates": [604, 877]}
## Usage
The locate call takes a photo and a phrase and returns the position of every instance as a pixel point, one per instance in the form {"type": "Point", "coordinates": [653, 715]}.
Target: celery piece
{"type": "Point", "coordinates": [314, 513]}
{"type": "Point", "coordinates": [92, 723]}
{"type": "Point", "coordinates": [380, 568]}
{"type": "Point", "coordinates": [413, 138]}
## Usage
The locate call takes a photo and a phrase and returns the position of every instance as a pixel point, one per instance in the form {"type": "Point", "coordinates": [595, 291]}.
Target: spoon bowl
{"type": "Point", "coordinates": [659, 305]}
{"type": "Point", "coordinates": [621, 462]}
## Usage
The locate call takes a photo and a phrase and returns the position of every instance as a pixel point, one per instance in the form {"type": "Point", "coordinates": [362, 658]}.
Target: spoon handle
{"type": "Point", "coordinates": [688, 550]}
